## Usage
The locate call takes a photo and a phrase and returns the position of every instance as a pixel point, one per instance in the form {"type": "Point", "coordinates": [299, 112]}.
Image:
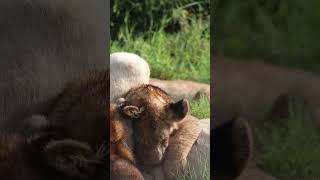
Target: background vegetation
{"type": "Point", "coordinates": [173, 36]}
{"type": "Point", "coordinates": [283, 33]}
{"type": "Point", "coordinates": [289, 150]}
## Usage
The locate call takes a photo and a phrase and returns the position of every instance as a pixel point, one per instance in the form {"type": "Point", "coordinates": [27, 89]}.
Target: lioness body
{"type": "Point", "coordinates": [252, 89]}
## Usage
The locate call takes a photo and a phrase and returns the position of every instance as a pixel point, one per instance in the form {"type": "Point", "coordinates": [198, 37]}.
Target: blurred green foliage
{"type": "Point", "coordinates": [147, 16]}
{"type": "Point", "coordinates": [282, 32]}
{"type": "Point", "coordinates": [182, 55]}
{"type": "Point", "coordinates": [172, 36]}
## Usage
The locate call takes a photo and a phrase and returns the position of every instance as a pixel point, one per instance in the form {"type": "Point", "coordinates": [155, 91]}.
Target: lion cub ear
{"type": "Point", "coordinates": [179, 109]}
{"type": "Point", "coordinates": [133, 111]}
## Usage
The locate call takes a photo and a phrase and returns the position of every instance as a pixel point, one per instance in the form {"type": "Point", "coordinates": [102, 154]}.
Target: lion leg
{"type": "Point", "coordinates": [124, 152]}
{"type": "Point", "coordinates": [124, 170]}
{"type": "Point", "coordinates": [180, 145]}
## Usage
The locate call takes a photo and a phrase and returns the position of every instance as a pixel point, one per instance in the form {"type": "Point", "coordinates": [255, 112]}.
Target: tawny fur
{"type": "Point", "coordinates": [155, 124]}
{"type": "Point", "coordinates": [121, 157]}
{"type": "Point", "coordinates": [251, 89]}
{"type": "Point", "coordinates": [179, 89]}
{"type": "Point", "coordinates": [125, 76]}
{"type": "Point", "coordinates": [183, 140]}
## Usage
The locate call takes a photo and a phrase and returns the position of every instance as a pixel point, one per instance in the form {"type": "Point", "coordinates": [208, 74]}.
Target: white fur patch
{"type": "Point", "coordinates": [127, 70]}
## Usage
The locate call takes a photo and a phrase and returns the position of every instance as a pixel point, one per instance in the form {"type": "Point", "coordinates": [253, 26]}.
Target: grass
{"type": "Point", "coordinates": [289, 148]}
{"type": "Point", "coordinates": [190, 173]}
{"type": "Point", "coordinates": [146, 16]}
{"type": "Point", "coordinates": [201, 108]}
{"type": "Point", "coordinates": [284, 33]}
{"type": "Point", "coordinates": [181, 55]}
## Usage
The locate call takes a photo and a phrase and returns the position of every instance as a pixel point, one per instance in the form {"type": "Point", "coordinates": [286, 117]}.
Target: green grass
{"type": "Point", "coordinates": [201, 108]}
{"type": "Point", "coordinates": [191, 175]}
{"type": "Point", "coordinates": [289, 148]}
{"type": "Point", "coordinates": [205, 174]}
{"type": "Point", "coordinates": [181, 55]}
{"type": "Point", "coordinates": [284, 33]}
{"type": "Point", "coordinates": [146, 16]}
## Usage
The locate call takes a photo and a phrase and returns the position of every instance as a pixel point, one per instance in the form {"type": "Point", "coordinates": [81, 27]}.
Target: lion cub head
{"type": "Point", "coordinates": [155, 116]}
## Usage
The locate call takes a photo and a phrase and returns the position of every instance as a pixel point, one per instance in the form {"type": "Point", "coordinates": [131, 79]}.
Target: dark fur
{"type": "Point", "coordinates": [83, 103]}
{"type": "Point", "coordinates": [232, 149]}
{"type": "Point", "coordinates": [81, 112]}
{"type": "Point", "coordinates": [43, 157]}
{"type": "Point", "coordinates": [43, 45]}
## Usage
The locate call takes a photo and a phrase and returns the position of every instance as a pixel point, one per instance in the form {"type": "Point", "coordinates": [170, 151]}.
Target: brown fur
{"type": "Point", "coordinates": [44, 158]}
{"type": "Point", "coordinates": [252, 89]}
{"type": "Point", "coordinates": [161, 132]}
{"type": "Point", "coordinates": [188, 151]}
{"type": "Point", "coordinates": [181, 143]}
{"type": "Point", "coordinates": [83, 103]}
{"type": "Point", "coordinates": [155, 122]}
{"type": "Point", "coordinates": [118, 147]}
{"type": "Point", "coordinates": [179, 89]}
{"type": "Point", "coordinates": [121, 157]}
{"type": "Point", "coordinates": [44, 45]}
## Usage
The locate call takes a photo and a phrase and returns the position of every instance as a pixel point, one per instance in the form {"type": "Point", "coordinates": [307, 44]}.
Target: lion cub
{"type": "Point", "coordinates": [155, 117]}
{"type": "Point", "coordinates": [80, 113]}
{"type": "Point", "coordinates": [121, 158]}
